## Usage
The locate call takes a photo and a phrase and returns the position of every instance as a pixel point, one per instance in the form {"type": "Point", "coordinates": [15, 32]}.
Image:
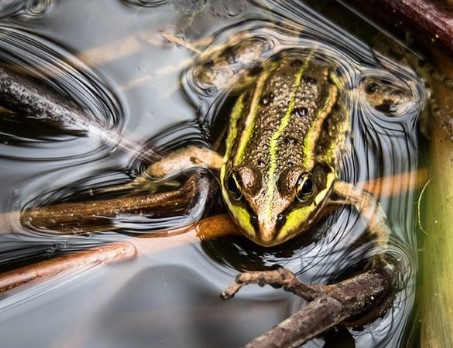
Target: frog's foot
{"type": "Point", "coordinates": [366, 295]}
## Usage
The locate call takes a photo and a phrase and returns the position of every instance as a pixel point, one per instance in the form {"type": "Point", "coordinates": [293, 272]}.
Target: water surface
{"type": "Point", "coordinates": [138, 91]}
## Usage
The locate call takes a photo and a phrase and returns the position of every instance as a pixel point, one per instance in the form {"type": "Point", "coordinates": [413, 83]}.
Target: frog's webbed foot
{"type": "Point", "coordinates": [387, 95]}
{"type": "Point", "coordinates": [329, 305]}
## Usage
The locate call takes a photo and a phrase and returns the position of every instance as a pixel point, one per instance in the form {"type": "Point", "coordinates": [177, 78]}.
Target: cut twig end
{"type": "Point", "coordinates": [230, 291]}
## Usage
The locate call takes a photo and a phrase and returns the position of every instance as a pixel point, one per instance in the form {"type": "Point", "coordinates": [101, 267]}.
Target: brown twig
{"type": "Point", "coordinates": [329, 305]}
{"type": "Point", "coordinates": [107, 253]}
{"type": "Point", "coordinates": [397, 184]}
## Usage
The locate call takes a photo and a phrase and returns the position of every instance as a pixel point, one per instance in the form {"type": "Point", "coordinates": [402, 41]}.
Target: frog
{"type": "Point", "coordinates": [287, 132]}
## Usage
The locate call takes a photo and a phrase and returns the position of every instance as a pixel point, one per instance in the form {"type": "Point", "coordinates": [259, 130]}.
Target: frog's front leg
{"type": "Point", "coordinates": [175, 163]}
{"type": "Point", "coordinates": [369, 209]}
{"type": "Point", "coordinates": [189, 157]}
{"type": "Point", "coordinates": [169, 166]}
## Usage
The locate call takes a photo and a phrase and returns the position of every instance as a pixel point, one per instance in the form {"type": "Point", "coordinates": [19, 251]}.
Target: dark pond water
{"type": "Point", "coordinates": [137, 91]}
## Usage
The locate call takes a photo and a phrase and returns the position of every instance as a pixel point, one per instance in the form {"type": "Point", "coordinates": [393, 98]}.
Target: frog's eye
{"type": "Point", "coordinates": [304, 187]}
{"type": "Point", "coordinates": [233, 187]}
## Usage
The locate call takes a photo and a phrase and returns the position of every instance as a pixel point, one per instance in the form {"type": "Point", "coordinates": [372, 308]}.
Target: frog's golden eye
{"type": "Point", "coordinates": [304, 187]}
{"type": "Point", "coordinates": [233, 187]}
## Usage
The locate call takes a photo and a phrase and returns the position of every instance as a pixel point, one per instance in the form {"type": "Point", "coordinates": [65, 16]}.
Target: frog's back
{"type": "Point", "coordinates": [282, 118]}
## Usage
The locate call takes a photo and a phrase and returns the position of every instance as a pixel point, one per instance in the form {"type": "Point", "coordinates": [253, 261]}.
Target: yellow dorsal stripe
{"type": "Point", "coordinates": [314, 131]}
{"type": "Point", "coordinates": [241, 215]}
{"type": "Point", "coordinates": [233, 130]}
{"type": "Point", "coordinates": [271, 184]}
{"type": "Point", "coordinates": [250, 121]}
{"type": "Point", "coordinates": [334, 148]}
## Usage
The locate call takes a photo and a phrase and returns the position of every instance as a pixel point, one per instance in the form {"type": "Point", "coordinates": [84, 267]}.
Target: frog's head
{"type": "Point", "coordinates": [269, 210]}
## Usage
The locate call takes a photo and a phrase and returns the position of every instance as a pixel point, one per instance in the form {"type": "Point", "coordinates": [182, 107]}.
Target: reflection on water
{"type": "Point", "coordinates": [139, 91]}
{"type": "Point", "coordinates": [94, 107]}
{"type": "Point", "coordinates": [28, 9]}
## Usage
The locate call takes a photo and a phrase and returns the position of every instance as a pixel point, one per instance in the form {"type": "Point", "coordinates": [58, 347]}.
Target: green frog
{"type": "Point", "coordinates": [287, 132]}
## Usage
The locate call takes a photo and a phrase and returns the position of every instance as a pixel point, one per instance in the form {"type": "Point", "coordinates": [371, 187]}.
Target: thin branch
{"type": "Point", "coordinates": [108, 253]}
{"type": "Point", "coordinates": [329, 305]}
{"type": "Point", "coordinates": [96, 215]}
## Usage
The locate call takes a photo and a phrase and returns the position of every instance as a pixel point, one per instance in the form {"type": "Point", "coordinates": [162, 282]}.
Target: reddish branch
{"type": "Point", "coordinates": [429, 19]}
{"type": "Point", "coordinates": [63, 265]}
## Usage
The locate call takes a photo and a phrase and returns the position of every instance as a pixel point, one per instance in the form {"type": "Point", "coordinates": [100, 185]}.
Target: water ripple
{"type": "Point", "coordinates": [28, 9]}
{"type": "Point", "coordinates": [98, 111]}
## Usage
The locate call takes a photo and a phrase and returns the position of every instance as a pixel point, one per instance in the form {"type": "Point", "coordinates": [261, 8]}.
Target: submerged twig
{"type": "Point", "coordinates": [107, 253]}
{"type": "Point", "coordinates": [28, 97]}
{"type": "Point", "coordinates": [97, 215]}
{"type": "Point", "coordinates": [24, 95]}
